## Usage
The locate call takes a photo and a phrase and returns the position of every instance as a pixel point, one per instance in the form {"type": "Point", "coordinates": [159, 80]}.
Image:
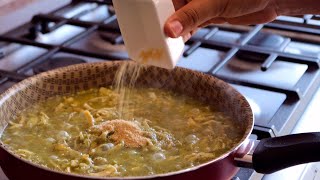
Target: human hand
{"type": "Point", "coordinates": [198, 13]}
{"type": "Point", "coordinates": [191, 14]}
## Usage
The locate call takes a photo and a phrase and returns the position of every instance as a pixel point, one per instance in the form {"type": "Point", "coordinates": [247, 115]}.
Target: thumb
{"type": "Point", "coordinates": [188, 18]}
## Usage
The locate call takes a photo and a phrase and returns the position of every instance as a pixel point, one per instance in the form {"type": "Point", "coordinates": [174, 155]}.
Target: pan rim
{"type": "Point", "coordinates": [15, 88]}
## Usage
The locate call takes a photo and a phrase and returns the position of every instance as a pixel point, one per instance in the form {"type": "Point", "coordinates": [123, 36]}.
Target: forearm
{"type": "Point", "coordinates": [297, 7]}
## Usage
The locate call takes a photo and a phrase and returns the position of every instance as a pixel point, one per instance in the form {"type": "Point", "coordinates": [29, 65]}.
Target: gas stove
{"type": "Point", "coordinates": [275, 65]}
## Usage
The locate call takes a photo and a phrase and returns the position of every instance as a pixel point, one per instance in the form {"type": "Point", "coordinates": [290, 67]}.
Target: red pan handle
{"type": "Point", "coordinates": [274, 154]}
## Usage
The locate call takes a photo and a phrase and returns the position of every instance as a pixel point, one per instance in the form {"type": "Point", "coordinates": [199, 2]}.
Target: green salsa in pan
{"type": "Point", "coordinates": [89, 133]}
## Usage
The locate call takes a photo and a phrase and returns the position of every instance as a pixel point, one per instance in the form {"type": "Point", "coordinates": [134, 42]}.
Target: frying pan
{"type": "Point", "coordinates": [264, 156]}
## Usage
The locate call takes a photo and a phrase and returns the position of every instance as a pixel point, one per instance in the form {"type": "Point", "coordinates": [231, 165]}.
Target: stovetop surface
{"type": "Point", "coordinates": [275, 65]}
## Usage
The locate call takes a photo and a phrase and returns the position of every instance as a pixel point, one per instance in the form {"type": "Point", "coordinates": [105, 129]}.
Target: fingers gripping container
{"type": "Point", "coordinates": [141, 24]}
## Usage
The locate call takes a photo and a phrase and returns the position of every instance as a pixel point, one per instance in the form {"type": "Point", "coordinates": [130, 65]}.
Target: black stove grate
{"type": "Point", "coordinates": [283, 121]}
{"type": "Point", "coordinates": [40, 24]}
{"type": "Point", "coordinates": [297, 97]}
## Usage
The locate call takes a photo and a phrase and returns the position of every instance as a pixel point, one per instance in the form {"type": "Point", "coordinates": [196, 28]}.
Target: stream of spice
{"type": "Point", "coordinates": [124, 84]}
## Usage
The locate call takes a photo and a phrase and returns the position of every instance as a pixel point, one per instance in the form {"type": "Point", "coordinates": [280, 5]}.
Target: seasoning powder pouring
{"type": "Point", "coordinates": [141, 23]}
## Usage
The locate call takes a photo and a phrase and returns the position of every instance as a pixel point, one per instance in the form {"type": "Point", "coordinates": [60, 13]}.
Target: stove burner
{"type": "Point", "coordinates": [251, 56]}
{"type": "Point", "coordinates": [270, 41]}
{"type": "Point", "coordinates": [266, 41]}
{"type": "Point", "coordinates": [102, 41]}
{"type": "Point", "coordinates": [57, 62]}
{"type": "Point", "coordinates": [114, 38]}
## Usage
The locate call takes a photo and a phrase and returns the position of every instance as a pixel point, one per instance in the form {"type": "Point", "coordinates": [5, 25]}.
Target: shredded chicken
{"type": "Point", "coordinates": [199, 156]}
{"type": "Point", "coordinates": [108, 170]}
{"type": "Point", "coordinates": [89, 117]}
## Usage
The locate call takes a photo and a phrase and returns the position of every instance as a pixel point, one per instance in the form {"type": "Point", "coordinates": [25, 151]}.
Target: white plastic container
{"type": "Point", "coordinates": [141, 23]}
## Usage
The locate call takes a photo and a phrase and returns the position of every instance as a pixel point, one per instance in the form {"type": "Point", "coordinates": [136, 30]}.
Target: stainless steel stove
{"type": "Point", "coordinates": [275, 66]}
